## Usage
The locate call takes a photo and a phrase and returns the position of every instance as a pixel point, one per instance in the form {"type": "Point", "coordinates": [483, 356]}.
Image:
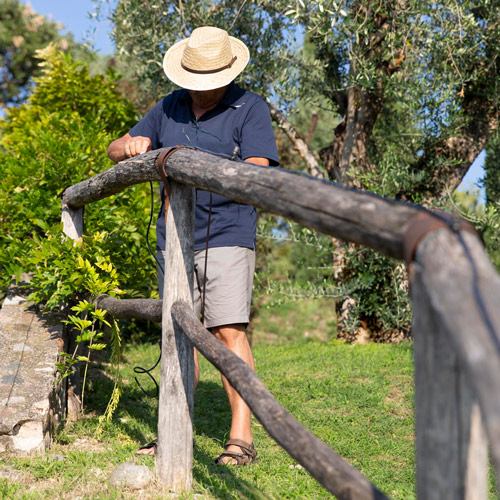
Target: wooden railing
{"type": "Point", "coordinates": [455, 294]}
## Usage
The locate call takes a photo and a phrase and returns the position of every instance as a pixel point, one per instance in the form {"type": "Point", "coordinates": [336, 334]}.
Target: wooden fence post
{"type": "Point", "coordinates": [451, 445]}
{"type": "Point", "coordinates": [175, 427]}
{"type": "Point", "coordinates": [72, 219]}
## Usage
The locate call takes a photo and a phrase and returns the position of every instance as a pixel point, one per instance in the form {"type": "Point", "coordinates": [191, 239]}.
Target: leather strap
{"type": "Point", "coordinates": [161, 163]}
{"type": "Point", "coordinates": [425, 223]}
{"type": "Point", "coordinates": [241, 444]}
{"type": "Point", "coordinates": [209, 71]}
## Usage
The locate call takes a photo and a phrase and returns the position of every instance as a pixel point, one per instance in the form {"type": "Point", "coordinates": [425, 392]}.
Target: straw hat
{"type": "Point", "coordinates": [207, 60]}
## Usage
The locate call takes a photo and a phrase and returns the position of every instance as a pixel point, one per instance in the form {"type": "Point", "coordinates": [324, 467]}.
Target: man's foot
{"type": "Point", "coordinates": [147, 449]}
{"type": "Point", "coordinates": [247, 453]}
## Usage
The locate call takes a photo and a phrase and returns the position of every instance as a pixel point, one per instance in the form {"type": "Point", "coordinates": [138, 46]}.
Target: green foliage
{"type": "Point", "coordinates": [297, 264]}
{"type": "Point", "coordinates": [485, 219]}
{"type": "Point", "coordinates": [68, 88]}
{"type": "Point", "coordinates": [56, 139]}
{"type": "Point", "coordinates": [377, 294]}
{"type": "Point", "coordinates": [492, 170]}
{"type": "Point", "coordinates": [143, 35]}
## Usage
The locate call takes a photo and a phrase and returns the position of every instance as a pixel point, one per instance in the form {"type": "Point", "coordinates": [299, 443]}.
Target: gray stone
{"type": "Point", "coordinates": [22, 347]}
{"type": "Point", "coordinates": [47, 369]}
{"type": "Point", "coordinates": [42, 407]}
{"type": "Point", "coordinates": [13, 400]}
{"type": "Point", "coordinates": [131, 475]}
{"type": "Point", "coordinates": [14, 366]}
{"type": "Point", "coordinates": [13, 300]}
{"type": "Point", "coordinates": [30, 438]}
{"type": "Point", "coordinates": [11, 379]}
{"type": "Point", "coordinates": [32, 404]}
{"type": "Point", "coordinates": [11, 474]}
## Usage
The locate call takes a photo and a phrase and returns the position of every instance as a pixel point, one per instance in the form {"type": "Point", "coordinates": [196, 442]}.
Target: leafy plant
{"type": "Point", "coordinates": [56, 139]}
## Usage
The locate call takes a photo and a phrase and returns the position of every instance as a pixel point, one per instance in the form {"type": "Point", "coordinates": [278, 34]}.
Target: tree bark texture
{"type": "Point", "coordinates": [331, 470]}
{"type": "Point", "coordinates": [451, 445]}
{"type": "Point", "coordinates": [298, 142]}
{"type": "Point", "coordinates": [354, 216]}
{"type": "Point", "coordinates": [175, 416]}
{"type": "Point", "coordinates": [359, 106]}
{"type": "Point", "coordinates": [462, 291]}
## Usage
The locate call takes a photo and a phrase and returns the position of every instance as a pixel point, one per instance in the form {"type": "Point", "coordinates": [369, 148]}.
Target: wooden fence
{"type": "Point", "coordinates": [455, 292]}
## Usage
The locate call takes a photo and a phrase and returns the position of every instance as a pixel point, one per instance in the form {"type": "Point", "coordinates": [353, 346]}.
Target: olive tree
{"type": "Point", "coordinates": [414, 86]}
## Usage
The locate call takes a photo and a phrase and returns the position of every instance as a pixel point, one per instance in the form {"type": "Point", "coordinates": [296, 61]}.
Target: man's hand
{"type": "Point", "coordinates": [128, 146]}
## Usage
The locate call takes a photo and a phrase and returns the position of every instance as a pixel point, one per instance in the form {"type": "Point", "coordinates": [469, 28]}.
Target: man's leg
{"type": "Point", "coordinates": [235, 339]}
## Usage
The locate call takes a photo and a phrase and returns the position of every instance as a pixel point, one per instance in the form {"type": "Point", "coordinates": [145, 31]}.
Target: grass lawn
{"type": "Point", "coordinates": [356, 398]}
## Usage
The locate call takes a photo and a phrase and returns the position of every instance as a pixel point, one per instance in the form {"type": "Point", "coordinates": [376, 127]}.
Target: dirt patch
{"type": "Point", "coordinates": [397, 404]}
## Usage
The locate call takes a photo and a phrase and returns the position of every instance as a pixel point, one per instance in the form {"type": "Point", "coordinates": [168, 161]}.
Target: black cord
{"type": "Point", "coordinates": [139, 369]}
{"type": "Point", "coordinates": [149, 227]}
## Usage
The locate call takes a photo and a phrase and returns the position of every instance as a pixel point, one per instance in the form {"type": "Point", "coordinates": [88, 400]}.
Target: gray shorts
{"type": "Point", "coordinates": [228, 286]}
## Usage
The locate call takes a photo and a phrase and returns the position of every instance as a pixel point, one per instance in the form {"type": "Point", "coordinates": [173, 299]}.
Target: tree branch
{"type": "Point", "coordinates": [299, 143]}
{"type": "Point", "coordinates": [459, 151]}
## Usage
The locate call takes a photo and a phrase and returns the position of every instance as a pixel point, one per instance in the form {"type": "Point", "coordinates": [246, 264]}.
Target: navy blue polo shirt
{"type": "Point", "coordinates": [240, 120]}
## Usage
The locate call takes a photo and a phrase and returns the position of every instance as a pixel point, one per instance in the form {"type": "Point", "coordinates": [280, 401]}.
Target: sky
{"type": "Point", "coordinates": [75, 16]}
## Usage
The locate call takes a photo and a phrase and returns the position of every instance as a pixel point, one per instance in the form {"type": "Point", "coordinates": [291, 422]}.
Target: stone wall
{"type": "Point", "coordinates": [32, 404]}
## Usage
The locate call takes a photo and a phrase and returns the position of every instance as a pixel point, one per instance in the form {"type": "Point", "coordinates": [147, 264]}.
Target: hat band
{"type": "Point", "coordinates": [208, 71]}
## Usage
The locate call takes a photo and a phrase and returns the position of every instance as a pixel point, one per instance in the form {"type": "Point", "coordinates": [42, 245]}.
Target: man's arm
{"type": "Point", "coordinates": [256, 160]}
{"type": "Point", "coordinates": [128, 146]}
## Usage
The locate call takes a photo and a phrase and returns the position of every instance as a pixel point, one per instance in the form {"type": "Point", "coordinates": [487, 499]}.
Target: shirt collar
{"type": "Point", "coordinates": [233, 95]}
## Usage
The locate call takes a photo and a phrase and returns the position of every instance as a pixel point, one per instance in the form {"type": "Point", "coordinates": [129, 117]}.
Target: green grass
{"type": "Point", "coordinates": [293, 321]}
{"type": "Point", "coordinates": [356, 398]}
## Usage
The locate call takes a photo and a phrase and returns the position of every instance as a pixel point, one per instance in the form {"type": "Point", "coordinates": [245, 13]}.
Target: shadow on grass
{"type": "Point", "coordinates": [222, 481]}
{"type": "Point", "coordinates": [212, 415]}
{"type": "Point", "coordinates": [212, 418]}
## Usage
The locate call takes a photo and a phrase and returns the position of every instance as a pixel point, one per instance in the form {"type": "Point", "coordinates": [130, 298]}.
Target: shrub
{"type": "Point", "coordinates": [58, 138]}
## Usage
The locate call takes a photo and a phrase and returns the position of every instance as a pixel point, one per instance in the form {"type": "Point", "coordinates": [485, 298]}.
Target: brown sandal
{"type": "Point", "coordinates": [247, 457]}
{"type": "Point", "coordinates": [147, 449]}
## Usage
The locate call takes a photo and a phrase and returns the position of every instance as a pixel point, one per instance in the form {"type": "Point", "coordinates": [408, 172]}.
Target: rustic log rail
{"type": "Point", "coordinates": [329, 208]}
{"type": "Point", "coordinates": [455, 295]}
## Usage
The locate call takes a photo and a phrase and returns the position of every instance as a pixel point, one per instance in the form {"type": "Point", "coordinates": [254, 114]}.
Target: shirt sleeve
{"type": "Point", "coordinates": [150, 125]}
{"type": "Point", "coordinates": [257, 136]}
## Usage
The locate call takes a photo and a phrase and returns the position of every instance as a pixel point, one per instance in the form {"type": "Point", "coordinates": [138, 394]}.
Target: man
{"type": "Point", "coordinates": [213, 114]}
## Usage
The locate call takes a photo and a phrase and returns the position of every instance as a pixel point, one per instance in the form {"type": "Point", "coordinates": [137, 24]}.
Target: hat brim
{"type": "Point", "coordinates": [204, 81]}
